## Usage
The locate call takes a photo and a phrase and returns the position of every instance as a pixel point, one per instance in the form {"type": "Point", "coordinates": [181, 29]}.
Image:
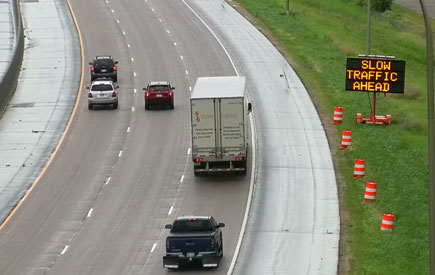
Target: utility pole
{"type": "Point", "coordinates": [431, 135]}
{"type": "Point", "coordinates": [369, 26]}
{"type": "Point", "coordinates": [287, 7]}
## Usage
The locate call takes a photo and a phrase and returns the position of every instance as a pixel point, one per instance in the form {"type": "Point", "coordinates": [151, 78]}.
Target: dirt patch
{"type": "Point", "coordinates": [345, 254]}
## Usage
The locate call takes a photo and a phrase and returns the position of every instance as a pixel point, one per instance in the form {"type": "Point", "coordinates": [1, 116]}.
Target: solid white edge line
{"type": "Point", "coordinates": [108, 180]}
{"type": "Point", "coordinates": [64, 249]}
{"type": "Point", "coordinates": [90, 212]}
{"type": "Point", "coordinates": [182, 178]}
{"type": "Point", "coordinates": [215, 36]}
{"type": "Point", "coordinates": [170, 210]}
{"type": "Point", "coordinates": [154, 247]}
{"type": "Point", "coordinates": [120, 154]}
{"type": "Point", "coordinates": [253, 166]}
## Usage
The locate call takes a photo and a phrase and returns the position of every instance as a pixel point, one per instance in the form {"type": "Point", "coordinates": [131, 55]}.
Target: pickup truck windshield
{"type": "Point", "coordinates": [186, 226]}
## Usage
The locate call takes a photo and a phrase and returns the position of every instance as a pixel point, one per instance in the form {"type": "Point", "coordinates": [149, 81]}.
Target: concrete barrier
{"type": "Point", "coordinates": [9, 81]}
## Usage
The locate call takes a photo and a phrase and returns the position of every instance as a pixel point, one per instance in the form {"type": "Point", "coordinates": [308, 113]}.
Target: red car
{"type": "Point", "coordinates": [159, 93]}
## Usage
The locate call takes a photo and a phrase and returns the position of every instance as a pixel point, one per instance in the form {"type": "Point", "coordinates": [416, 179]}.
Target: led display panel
{"type": "Point", "coordinates": [375, 75]}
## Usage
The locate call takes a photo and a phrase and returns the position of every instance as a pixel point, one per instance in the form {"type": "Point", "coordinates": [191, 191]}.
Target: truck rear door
{"type": "Point", "coordinates": [232, 127]}
{"type": "Point", "coordinates": [203, 127]}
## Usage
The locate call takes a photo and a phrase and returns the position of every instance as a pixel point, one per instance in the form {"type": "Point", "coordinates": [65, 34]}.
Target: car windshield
{"type": "Point", "coordinates": [159, 88]}
{"type": "Point", "coordinates": [184, 226]}
{"type": "Point", "coordinates": [102, 87]}
{"type": "Point", "coordinates": [103, 62]}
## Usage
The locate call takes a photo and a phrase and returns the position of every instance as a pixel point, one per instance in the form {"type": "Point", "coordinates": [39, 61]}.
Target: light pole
{"type": "Point", "coordinates": [431, 136]}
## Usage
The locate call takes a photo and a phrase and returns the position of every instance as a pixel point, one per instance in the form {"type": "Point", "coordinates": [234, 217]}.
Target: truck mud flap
{"type": "Point", "coordinates": [210, 261]}
{"type": "Point", "coordinates": [170, 262]}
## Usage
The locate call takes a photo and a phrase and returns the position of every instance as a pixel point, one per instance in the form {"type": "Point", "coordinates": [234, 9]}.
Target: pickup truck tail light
{"type": "Point", "coordinates": [89, 95]}
{"type": "Point", "coordinates": [92, 69]}
{"type": "Point", "coordinates": [239, 158]}
{"type": "Point", "coordinates": [115, 68]}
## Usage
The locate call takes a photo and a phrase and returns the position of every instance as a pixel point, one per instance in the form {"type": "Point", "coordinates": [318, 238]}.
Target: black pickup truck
{"type": "Point", "coordinates": [194, 238]}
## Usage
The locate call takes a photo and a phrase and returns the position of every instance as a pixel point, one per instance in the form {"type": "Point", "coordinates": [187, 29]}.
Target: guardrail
{"type": "Point", "coordinates": [9, 81]}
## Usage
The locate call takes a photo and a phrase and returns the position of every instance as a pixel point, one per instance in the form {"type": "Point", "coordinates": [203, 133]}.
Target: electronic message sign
{"type": "Point", "coordinates": [375, 75]}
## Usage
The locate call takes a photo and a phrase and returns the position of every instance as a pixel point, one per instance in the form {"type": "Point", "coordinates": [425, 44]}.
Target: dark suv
{"type": "Point", "coordinates": [104, 66]}
{"type": "Point", "coordinates": [159, 93]}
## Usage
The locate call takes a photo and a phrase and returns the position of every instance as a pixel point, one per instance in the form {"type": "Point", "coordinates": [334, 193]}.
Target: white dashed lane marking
{"type": "Point", "coordinates": [182, 178]}
{"type": "Point", "coordinates": [108, 180]}
{"type": "Point", "coordinates": [170, 210]}
{"type": "Point", "coordinates": [64, 249]}
{"type": "Point", "coordinates": [90, 212]}
{"type": "Point", "coordinates": [120, 154]}
{"type": "Point", "coordinates": [154, 247]}
{"type": "Point", "coordinates": [128, 130]}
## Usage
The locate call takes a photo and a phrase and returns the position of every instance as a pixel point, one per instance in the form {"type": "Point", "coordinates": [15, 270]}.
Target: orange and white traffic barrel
{"type": "Point", "coordinates": [346, 139]}
{"type": "Point", "coordinates": [370, 194]}
{"type": "Point", "coordinates": [338, 115]}
{"type": "Point", "coordinates": [387, 222]}
{"type": "Point", "coordinates": [359, 170]}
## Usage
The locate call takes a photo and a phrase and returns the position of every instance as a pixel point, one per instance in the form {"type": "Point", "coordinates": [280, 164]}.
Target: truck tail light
{"type": "Point", "coordinates": [115, 68]}
{"type": "Point", "coordinates": [198, 160]}
{"type": "Point", "coordinates": [114, 94]}
{"type": "Point", "coordinates": [240, 158]}
{"type": "Point", "coordinates": [89, 95]}
{"type": "Point", "coordinates": [92, 69]}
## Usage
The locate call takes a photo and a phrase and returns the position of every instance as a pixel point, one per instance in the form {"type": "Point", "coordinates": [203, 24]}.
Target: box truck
{"type": "Point", "coordinates": [219, 125]}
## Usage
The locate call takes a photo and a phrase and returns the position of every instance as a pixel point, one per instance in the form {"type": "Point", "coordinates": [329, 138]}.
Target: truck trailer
{"type": "Point", "coordinates": [219, 125]}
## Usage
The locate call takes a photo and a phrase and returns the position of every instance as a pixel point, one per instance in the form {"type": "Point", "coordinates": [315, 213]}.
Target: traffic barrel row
{"type": "Point", "coordinates": [387, 223]}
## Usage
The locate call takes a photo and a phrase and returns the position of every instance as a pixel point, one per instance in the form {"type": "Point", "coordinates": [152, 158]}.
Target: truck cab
{"type": "Point", "coordinates": [193, 238]}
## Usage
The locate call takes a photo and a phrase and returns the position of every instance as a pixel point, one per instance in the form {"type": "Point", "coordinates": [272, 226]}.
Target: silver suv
{"type": "Point", "coordinates": [102, 92]}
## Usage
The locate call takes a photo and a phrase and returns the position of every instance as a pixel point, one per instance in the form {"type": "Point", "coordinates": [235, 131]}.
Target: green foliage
{"type": "Point", "coordinates": [319, 36]}
{"type": "Point", "coordinates": [377, 5]}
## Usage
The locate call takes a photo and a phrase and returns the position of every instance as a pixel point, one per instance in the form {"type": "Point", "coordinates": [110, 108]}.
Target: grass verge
{"type": "Point", "coordinates": [317, 36]}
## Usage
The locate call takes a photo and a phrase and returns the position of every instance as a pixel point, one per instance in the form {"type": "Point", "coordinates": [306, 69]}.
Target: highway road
{"type": "Point", "coordinates": [121, 175]}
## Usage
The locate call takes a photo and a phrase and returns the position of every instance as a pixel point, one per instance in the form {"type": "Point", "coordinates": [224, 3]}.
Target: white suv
{"type": "Point", "coordinates": [102, 92]}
